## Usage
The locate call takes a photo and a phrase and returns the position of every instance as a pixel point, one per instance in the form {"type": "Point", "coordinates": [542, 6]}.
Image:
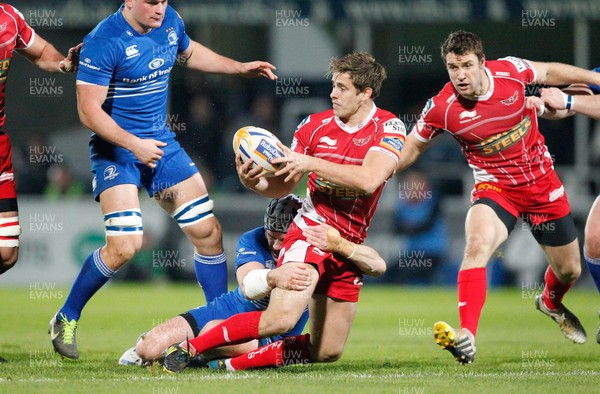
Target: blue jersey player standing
{"type": "Point", "coordinates": [122, 90]}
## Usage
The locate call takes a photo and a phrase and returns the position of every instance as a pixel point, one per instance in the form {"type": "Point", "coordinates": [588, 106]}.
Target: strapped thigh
{"type": "Point", "coordinates": [126, 222]}
{"type": "Point", "coordinates": [9, 232]}
{"type": "Point", "coordinates": [193, 211]}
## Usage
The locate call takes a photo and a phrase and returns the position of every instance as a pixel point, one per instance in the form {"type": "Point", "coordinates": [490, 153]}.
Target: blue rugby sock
{"type": "Point", "coordinates": [211, 273]}
{"type": "Point", "coordinates": [93, 275]}
{"type": "Point", "coordinates": [594, 267]}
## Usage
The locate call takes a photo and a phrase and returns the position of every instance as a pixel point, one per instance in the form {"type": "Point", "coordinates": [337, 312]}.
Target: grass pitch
{"type": "Point", "coordinates": [390, 349]}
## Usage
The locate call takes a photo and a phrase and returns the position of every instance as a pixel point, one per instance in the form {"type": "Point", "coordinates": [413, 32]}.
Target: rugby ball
{"type": "Point", "coordinates": [259, 145]}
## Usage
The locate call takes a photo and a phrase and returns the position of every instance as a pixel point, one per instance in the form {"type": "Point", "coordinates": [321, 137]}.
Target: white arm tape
{"type": "Point", "coordinates": [256, 285]}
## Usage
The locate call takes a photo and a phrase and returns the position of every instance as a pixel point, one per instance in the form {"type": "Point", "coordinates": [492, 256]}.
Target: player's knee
{"type": "Point", "coordinates": [8, 258]}
{"type": "Point", "coordinates": [592, 245]}
{"type": "Point", "coordinates": [123, 250]}
{"type": "Point", "coordinates": [148, 347]}
{"type": "Point", "coordinates": [568, 272]}
{"type": "Point", "coordinates": [477, 246]}
{"type": "Point", "coordinates": [277, 324]}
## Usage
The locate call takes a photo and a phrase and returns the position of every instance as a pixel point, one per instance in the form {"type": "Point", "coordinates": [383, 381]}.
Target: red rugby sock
{"type": "Point", "coordinates": [471, 297]}
{"type": "Point", "coordinates": [238, 328]}
{"type": "Point", "coordinates": [288, 351]}
{"type": "Point", "coordinates": [554, 289]}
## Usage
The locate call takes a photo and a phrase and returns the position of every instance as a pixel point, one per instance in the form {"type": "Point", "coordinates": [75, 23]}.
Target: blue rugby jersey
{"type": "Point", "coordinates": [136, 69]}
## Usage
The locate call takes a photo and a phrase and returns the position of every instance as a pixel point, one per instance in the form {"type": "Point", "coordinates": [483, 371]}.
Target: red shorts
{"type": "Point", "coordinates": [338, 277]}
{"type": "Point", "coordinates": [544, 201]}
{"type": "Point", "coordinates": [7, 173]}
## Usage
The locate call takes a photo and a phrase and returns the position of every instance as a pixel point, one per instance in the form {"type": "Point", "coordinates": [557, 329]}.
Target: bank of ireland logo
{"type": "Point", "coordinates": [110, 173]}
{"type": "Point", "coordinates": [156, 63]}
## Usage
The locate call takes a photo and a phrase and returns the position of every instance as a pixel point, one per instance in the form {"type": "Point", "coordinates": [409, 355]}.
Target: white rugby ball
{"type": "Point", "coordinates": [258, 144]}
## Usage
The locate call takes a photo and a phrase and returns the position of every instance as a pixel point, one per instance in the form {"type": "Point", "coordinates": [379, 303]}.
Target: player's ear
{"type": "Point", "coordinates": [368, 92]}
{"type": "Point", "coordinates": [482, 61]}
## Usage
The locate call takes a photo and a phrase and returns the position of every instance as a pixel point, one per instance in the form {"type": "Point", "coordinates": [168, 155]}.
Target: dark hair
{"type": "Point", "coordinates": [461, 43]}
{"type": "Point", "coordinates": [364, 71]}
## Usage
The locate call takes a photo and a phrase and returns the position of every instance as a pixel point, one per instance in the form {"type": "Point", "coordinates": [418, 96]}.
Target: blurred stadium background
{"type": "Point", "coordinates": [61, 223]}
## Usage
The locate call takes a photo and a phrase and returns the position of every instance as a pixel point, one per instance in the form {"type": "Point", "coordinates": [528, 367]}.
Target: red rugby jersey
{"type": "Point", "coordinates": [498, 135]}
{"type": "Point", "coordinates": [325, 136]}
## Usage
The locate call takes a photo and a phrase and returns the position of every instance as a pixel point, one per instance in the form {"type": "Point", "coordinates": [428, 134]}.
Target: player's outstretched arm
{"type": "Point", "coordinates": [563, 74]}
{"type": "Point", "coordinates": [588, 105]}
{"type": "Point", "coordinates": [329, 239]}
{"type": "Point", "coordinates": [45, 56]}
{"type": "Point", "coordinates": [199, 57]}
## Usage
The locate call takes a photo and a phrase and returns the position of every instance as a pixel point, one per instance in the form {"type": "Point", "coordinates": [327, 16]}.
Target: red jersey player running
{"type": "Point", "coordinates": [483, 108]}
{"type": "Point", "coordinates": [16, 34]}
{"type": "Point", "coordinates": [349, 153]}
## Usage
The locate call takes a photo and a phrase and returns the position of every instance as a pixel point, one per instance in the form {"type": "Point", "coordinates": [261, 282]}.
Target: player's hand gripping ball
{"type": "Point", "coordinates": [258, 144]}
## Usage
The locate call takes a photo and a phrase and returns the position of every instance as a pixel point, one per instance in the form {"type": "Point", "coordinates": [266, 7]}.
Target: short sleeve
{"type": "Point", "coordinates": [25, 34]}
{"type": "Point", "coordinates": [246, 251]}
{"type": "Point", "coordinates": [97, 62]}
{"type": "Point", "coordinates": [520, 69]}
{"type": "Point", "coordinates": [391, 140]}
{"type": "Point", "coordinates": [300, 140]}
{"type": "Point", "coordinates": [427, 127]}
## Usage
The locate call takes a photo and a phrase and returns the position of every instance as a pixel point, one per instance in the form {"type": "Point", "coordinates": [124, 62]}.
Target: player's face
{"type": "Point", "coordinates": [467, 74]}
{"type": "Point", "coordinates": [147, 14]}
{"type": "Point", "coordinates": [275, 241]}
{"type": "Point", "coordinates": [346, 100]}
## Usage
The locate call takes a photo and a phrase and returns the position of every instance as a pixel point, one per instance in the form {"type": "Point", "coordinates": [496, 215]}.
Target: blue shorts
{"type": "Point", "coordinates": [221, 308]}
{"type": "Point", "coordinates": [174, 167]}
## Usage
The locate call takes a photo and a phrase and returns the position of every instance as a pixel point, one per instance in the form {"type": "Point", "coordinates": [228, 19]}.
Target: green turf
{"type": "Point", "coordinates": [390, 349]}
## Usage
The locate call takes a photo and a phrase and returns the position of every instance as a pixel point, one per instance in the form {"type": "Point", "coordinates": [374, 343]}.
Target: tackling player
{"type": "Point", "coordinates": [257, 254]}
{"type": "Point", "coordinates": [257, 251]}
{"type": "Point", "coordinates": [349, 153]}
{"type": "Point", "coordinates": [566, 104]}
{"type": "Point", "coordinates": [122, 91]}
{"type": "Point", "coordinates": [16, 34]}
{"type": "Point", "coordinates": [483, 107]}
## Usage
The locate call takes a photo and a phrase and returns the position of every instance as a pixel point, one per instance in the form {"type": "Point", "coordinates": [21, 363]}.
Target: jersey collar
{"type": "Point", "coordinates": [359, 126]}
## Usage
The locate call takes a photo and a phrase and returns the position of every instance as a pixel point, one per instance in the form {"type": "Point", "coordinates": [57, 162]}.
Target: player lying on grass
{"type": "Point", "coordinates": [257, 253]}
